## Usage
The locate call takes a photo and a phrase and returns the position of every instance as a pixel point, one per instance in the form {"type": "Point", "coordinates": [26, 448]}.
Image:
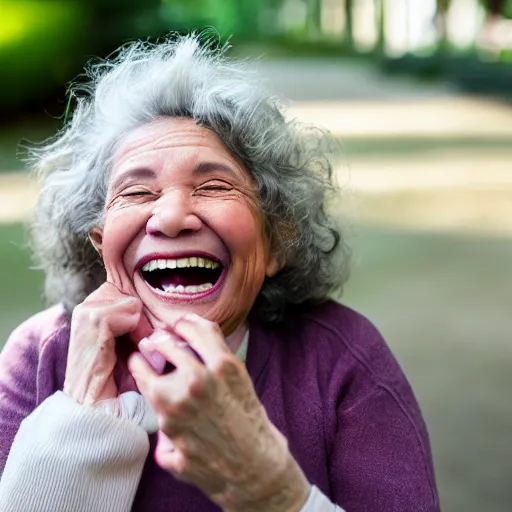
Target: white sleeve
{"type": "Point", "coordinates": [319, 502]}
{"type": "Point", "coordinates": [67, 456]}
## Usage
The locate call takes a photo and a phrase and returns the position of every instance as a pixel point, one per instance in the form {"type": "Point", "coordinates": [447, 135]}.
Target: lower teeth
{"type": "Point", "coordinates": [170, 288]}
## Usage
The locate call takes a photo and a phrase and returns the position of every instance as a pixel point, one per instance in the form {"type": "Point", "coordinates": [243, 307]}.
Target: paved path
{"type": "Point", "coordinates": [432, 251]}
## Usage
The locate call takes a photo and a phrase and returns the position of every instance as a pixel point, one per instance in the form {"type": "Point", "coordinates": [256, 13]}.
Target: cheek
{"type": "Point", "coordinates": [243, 233]}
{"type": "Point", "coordinates": [242, 229]}
{"type": "Point", "coordinates": [120, 229]}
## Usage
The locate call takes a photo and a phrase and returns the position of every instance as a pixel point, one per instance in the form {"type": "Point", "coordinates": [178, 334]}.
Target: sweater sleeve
{"type": "Point", "coordinates": [18, 371]}
{"type": "Point", "coordinates": [71, 457]}
{"type": "Point", "coordinates": [379, 458]}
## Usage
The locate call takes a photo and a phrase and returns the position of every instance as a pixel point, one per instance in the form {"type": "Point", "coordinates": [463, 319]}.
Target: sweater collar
{"type": "Point", "coordinates": [262, 342]}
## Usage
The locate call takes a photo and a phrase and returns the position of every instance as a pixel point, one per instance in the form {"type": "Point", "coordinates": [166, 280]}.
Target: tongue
{"type": "Point", "coordinates": [190, 277]}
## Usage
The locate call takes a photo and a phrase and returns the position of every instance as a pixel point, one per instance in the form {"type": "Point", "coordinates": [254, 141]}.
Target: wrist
{"type": "Point", "coordinates": [288, 491]}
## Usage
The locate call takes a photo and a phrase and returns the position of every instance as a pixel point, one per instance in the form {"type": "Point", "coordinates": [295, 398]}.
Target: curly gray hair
{"type": "Point", "coordinates": [180, 77]}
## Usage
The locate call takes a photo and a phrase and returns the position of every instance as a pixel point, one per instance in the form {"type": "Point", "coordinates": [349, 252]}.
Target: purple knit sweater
{"type": "Point", "coordinates": [328, 382]}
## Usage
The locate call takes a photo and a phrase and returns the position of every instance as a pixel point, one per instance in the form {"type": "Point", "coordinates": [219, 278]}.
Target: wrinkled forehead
{"type": "Point", "coordinates": [166, 132]}
{"type": "Point", "coordinates": [169, 142]}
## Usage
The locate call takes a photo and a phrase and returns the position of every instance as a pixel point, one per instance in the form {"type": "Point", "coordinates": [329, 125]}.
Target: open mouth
{"type": "Point", "coordinates": [189, 276]}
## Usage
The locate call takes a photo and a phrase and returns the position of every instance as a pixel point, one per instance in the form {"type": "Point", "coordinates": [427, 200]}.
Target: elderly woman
{"type": "Point", "coordinates": [194, 360]}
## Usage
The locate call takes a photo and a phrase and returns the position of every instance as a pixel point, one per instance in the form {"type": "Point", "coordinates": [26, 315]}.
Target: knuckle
{"type": "Point", "coordinates": [197, 385]}
{"type": "Point", "coordinates": [130, 303]}
{"type": "Point", "coordinates": [80, 310]}
{"type": "Point", "coordinates": [227, 367]}
{"type": "Point", "coordinates": [180, 466]}
{"type": "Point", "coordinates": [185, 451]}
{"type": "Point", "coordinates": [94, 317]}
{"type": "Point", "coordinates": [162, 424]}
{"type": "Point", "coordinates": [214, 328]}
{"type": "Point", "coordinates": [155, 395]}
{"type": "Point", "coordinates": [86, 314]}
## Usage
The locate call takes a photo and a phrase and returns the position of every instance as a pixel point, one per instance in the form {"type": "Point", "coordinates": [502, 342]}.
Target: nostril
{"type": "Point", "coordinates": [171, 223]}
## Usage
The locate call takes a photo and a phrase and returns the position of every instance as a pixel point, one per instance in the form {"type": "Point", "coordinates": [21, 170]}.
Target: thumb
{"type": "Point", "coordinates": [120, 279]}
{"type": "Point", "coordinates": [143, 330]}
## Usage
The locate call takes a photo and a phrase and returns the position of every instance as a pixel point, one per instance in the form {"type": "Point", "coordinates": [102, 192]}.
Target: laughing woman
{"type": "Point", "coordinates": [193, 360]}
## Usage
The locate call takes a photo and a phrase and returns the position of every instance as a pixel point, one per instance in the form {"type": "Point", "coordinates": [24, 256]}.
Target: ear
{"type": "Point", "coordinates": [96, 238]}
{"type": "Point", "coordinates": [274, 265]}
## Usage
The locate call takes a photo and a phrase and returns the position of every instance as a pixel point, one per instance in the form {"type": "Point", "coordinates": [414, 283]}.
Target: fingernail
{"type": "Point", "coordinates": [155, 359]}
{"type": "Point", "coordinates": [162, 336]}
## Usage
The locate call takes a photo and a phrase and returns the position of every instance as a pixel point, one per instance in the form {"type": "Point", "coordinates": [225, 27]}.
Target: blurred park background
{"type": "Point", "coordinates": [418, 92]}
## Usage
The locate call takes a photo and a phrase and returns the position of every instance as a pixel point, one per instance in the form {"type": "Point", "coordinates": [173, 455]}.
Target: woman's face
{"type": "Point", "coordinates": [182, 229]}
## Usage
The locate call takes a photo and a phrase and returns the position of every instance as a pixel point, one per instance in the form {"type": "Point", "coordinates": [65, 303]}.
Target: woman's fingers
{"type": "Point", "coordinates": [96, 323]}
{"type": "Point", "coordinates": [205, 337]}
{"type": "Point", "coordinates": [142, 372]}
{"type": "Point", "coordinates": [172, 347]}
{"type": "Point", "coordinates": [142, 330]}
{"type": "Point", "coordinates": [171, 460]}
{"type": "Point", "coordinates": [107, 306]}
{"type": "Point", "coordinates": [173, 393]}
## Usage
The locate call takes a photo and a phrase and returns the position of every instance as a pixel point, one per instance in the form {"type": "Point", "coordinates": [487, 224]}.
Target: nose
{"type": "Point", "coordinates": [172, 215]}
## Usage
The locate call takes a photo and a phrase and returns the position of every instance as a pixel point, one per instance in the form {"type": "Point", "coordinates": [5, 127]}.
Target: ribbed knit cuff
{"type": "Point", "coordinates": [68, 457]}
{"type": "Point", "coordinates": [319, 502]}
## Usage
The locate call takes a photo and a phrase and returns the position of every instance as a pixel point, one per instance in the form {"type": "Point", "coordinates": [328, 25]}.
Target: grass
{"type": "Point", "coordinates": [21, 291]}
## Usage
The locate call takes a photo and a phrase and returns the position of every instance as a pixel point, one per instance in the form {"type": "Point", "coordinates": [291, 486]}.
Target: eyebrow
{"type": "Point", "coordinates": [134, 175]}
{"type": "Point", "coordinates": [207, 167]}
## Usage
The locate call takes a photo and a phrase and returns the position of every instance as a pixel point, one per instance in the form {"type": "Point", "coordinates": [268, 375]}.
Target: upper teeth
{"type": "Point", "coordinates": [180, 263]}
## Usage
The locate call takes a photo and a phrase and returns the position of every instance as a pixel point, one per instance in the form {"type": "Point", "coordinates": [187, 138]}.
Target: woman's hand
{"type": "Point", "coordinates": [221, 438]}
{"type": "Point", "coordinates": [106, 314]}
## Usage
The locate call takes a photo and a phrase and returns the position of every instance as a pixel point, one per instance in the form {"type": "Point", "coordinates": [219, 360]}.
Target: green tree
{"type": "Point", "coordinates": [314, 18]}
{"type": "Point", "coordinates": [349, 17]}
{"type": "Point", "coordinates": [495, 7]}
{"type": "Point", "coordinates": [443, 6]}
{"type": "Point", "coordinates": [380, 23]}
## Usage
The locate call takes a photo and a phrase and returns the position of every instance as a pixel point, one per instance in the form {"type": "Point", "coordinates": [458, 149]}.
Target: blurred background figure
{"type": "Point", "coordinates": [418, 93]}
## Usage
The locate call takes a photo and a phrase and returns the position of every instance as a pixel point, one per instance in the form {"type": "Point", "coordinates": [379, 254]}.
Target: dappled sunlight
{"type": "Point", "coordinates": [20, 18]}
{"type": "Point", "coordinates": [13, 25]}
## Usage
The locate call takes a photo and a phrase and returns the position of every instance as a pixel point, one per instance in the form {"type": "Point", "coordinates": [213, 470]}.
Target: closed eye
{"type": "Point", "coordinates": [216, 187]}
{"type": "Point", "coordinates": [137, 194]}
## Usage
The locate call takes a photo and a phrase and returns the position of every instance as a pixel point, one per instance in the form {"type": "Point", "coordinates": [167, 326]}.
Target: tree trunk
{"type": "Point", "coordinates": [349, 16]}
{"type": "Point", "coordinates": [380, 23]}
{"type": "Point", "coordinates": [443, 7]}
{"type": "Point", "coordinates": [314, 19]}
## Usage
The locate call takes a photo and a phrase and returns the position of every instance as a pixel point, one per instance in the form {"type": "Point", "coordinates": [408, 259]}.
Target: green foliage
{"type": "Point", "coordinates": [506, 57]}
{"type": "Point", "coordinates": [22, 286]}
{"type": "Point", "coordinates": [465, 71]}
{"type": "Point", "coordinates": [507, 12]}
{"type": "Point", "coordinates": [443, 5]}
{"type": "Point", "coordinates": [227, 16]}
{"type": "Point", "coordinates": [40, 44]}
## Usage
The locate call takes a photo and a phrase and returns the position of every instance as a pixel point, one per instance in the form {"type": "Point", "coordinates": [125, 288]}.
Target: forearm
{"type": "Point", "coordinates": [70, 457]}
